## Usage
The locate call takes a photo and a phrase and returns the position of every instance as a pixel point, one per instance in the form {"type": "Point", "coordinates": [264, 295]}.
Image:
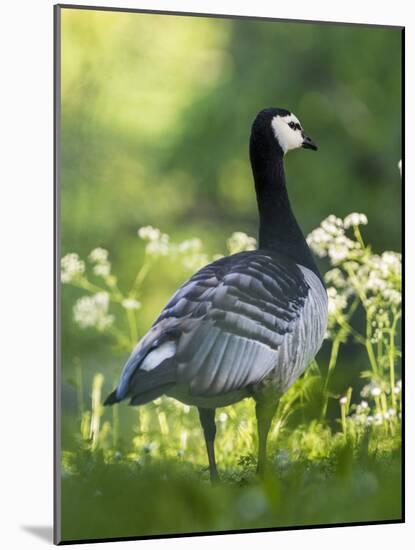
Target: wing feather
{"type": "Point", "coordinates": [233, 323]}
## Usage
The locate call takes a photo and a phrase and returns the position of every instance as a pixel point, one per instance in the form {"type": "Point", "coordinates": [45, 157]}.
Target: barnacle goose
{"type": "Point", "coordinates": [246, 325]}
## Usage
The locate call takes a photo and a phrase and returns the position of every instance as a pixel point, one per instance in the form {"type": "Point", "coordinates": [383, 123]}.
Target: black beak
{"type": "Point", "coordinates": [308, 144]}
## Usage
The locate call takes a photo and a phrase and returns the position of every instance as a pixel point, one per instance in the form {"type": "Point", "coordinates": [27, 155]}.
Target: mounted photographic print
{"type": "Point", "coordinates": [228, 281]}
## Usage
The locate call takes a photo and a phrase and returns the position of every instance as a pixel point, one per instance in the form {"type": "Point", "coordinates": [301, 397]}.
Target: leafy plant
{"type": "Point", "coordinates": [358, 280]}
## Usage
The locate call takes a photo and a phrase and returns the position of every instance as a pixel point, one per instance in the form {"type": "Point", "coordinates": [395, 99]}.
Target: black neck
{"type": "Point", "coordinates": [278, 228]}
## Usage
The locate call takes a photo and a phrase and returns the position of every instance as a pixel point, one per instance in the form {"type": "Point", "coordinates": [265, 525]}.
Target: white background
{"type": "Point", "coordinates": [26, 270]}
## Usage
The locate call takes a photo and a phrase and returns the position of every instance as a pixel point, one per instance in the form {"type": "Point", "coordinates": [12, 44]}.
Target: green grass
{"type": "Point", "coordinates": [335, 444]}
{"type": "Point", "coordinates": [129, 471]}
{"type": "Point", "coordinates": [106, 495]}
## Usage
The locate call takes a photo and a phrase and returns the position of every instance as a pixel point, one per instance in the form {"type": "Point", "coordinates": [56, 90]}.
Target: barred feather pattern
{"type": "Point", "coordinates": [245, 319]}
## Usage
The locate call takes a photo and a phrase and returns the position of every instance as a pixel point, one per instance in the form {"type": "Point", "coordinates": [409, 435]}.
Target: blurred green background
{"type": "Point", "coordinates": [156, 115]}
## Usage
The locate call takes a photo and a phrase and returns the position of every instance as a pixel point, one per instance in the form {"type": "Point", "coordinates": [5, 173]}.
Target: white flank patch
{"type": "Point", "coordinates": [286, 136]}
{"type": "Point", "coordinates": [160, 354]}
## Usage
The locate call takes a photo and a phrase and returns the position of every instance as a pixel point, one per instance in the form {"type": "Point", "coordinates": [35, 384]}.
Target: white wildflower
{"type": "Point", "coordinates": [239, 242]}
{"type": "Point", "coordinates": [375, 283]}
{"type": "Point", "coordinates": [391, 263]}
{"type": "Point", "coordinates": [158, 242]}
{"type": "Point", "coordinates": [335, 277]}
{"type": "Point", "coordinates": [343, 400]}
{"type": "Point", "coordinates": [393, 296]}
{"type": "Point", "coordinates": [340, 248]}
{"type": "Point", "coordinates": [355, 219]}
{"type": "Point", "coordinates": [318, 240]}
{"type": "Point", "coordinates": [102, 269]}
{"type": "Point", "coordinates": [130, 303]}
{"type": "Point", "coordinates": [157, 248]}
{"type": "Point", "coordinates": [387, 265]}
{"type": "Point", "coordinates": [360, 418]}
{"type": "Point", "coordinates": [92, 311]}
{"type": "Point", "coordinates": [335, 220]}
{"type": "Point", "coordinates": [195, 261]}
{"type": "Point", "coordinates": [333, 226]}
{"type": "Point", "coordinates": [149, 233]}
{"type": "Point", "coordinates": [378, 419]}
{"type": "Point", "coordinates": [98, 255]}
{"type": "Point", "coordinates": [190, 246]}
{"type": "Point", "coordinates": [372, 390]}
{"type": "Point", "coordinates": [223, 417]}
{"type": "Point", "coordinates": [336, 302]}
{"type": "Point", "coordinates": [363, 406]}
{"type": "Point", "coordinates": [338, 254]}
{"type": "Point", "coordinates": [71, 267]}
{"type": "Point", "coordinates": [330, 240]}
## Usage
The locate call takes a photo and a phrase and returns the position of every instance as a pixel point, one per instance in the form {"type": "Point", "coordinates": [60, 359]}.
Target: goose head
{"type": "Point", "coordinates": [280, 128]}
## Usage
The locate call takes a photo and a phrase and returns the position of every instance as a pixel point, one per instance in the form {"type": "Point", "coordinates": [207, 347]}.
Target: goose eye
{"type": "Point", "coordinates": [292, 125]}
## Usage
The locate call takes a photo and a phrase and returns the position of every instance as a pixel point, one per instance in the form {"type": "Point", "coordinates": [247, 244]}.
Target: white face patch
{"type": "Point", "coordinates": [288, 138]}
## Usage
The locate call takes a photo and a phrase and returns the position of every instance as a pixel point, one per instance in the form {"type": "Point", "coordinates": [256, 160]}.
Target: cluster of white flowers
{"type": "Point", "coordinates": [223, 417]}
{"type": "Point", "coordinates": [365, 416]}
{"type": "Point", "coordinates": [190, 246]}
{"type": "Point", "coordinates": [374, 419]}
{"type": "Point", "coordinates": [158, 242]}
{"type": "Point", "coordinates": [98, 255]}
{"type": "Point", "coordinates": [337, 302]}
{"type": "Point", "coordinates": [239, 242]}
{"type": "Point", "coordinates": [102, 266]}
{"type": "Point", "coordinates": [72, 267]}
{"type": "Point", "coordinates": [354, 219]}
{"type": "Point", "coordinates": [336, 277]}
{"type": "Point", "coordinates": [191, 254]}
{"type": "Point", "coordinates": [376, 279]}
{"type": "Point", "coordinates": [195, 262]}
{"type": "Point", "coordinates": [149, 233]}
{"type": "Point", "coordinates": [383, 277]}
{"type": "Point", "coordinates": [92, 311]}
{"type": "Point", "coordinates": [374, 389]}
{"type": "Point", "coordinates": [362, 406]}
{"type": "Point", "coordinates": [331, 240]}
{"type": "Point", "coordinates": [130, 303]}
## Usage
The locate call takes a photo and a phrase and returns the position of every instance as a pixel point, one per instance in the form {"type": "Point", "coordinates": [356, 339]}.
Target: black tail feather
{"type": "Point", "coordinates": [145, 397]}
{"type": "Point", "coordinates": [112, 398]}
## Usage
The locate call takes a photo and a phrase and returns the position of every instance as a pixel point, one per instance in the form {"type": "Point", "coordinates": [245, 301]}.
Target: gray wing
{"type": "Point", "coordinates": [227, 327]}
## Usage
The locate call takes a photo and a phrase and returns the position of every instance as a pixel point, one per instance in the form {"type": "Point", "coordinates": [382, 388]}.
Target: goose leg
{"type": "Point", "coordinates": [207, 419]}
{"type": "Point", "coordinates": [264, 413]}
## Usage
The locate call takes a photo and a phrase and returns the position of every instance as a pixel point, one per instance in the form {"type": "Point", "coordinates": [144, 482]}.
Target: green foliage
{"type": "Point", "coordinates": [162, 452]}
{"type": "Point", "coordinates": [128, 499]}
